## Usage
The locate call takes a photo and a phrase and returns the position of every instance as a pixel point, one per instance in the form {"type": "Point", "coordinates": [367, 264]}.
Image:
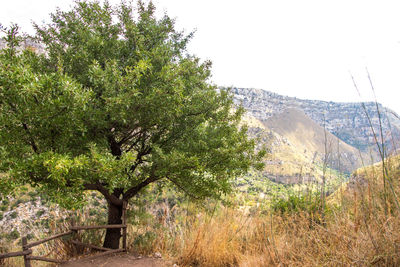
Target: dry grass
{"type": "Point", "coordinates": [358, 233]}
{"type": "Point", "coordinates": [362, 229]}
{"type": "Point", "coordinates": [60, 248]}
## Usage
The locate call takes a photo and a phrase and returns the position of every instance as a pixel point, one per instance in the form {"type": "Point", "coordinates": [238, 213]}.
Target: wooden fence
{"type": "Point", "coordinates": [27, 251]}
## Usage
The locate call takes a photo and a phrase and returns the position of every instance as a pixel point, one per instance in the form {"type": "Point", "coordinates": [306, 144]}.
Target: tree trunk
{"type": "Point", "coordinates": [113, 235]}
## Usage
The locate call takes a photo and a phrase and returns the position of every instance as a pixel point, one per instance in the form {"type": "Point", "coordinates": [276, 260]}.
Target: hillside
{"type": "Point", "coordinates": [347, 121]}
{"type": "Point", "coordinates": [297, 148]}
{"type": "Point", "coordinates": [309, 138]}
{"type": "Point", "coordinates": [294, 131]}
{"type": "Point", "coordinates": [26, 44]}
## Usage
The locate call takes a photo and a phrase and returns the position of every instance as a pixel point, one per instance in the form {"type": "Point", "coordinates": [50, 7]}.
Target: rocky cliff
{"type": "Point", "coordinates": [25, 44]}
{"type": "Point", "coordinates": [348, 121]}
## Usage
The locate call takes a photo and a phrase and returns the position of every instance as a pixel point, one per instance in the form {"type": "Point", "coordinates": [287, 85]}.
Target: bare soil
{"type": "Point", "coordinates": [117, 260]}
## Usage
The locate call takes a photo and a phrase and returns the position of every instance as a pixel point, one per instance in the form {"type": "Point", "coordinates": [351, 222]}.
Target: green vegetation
{"type": "Point", "coordinates": [40, 213]}
{"type": "Point", "coordinates": [116, 111]}
{"type": "Point", "coordinates": [115, 104]}
{"type": "Point", "coordinates": [13, 214]}
{"type": "Point", "coordinates": [13, 235]}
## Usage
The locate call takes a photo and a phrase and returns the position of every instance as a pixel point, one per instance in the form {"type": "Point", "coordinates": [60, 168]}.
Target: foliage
{"type": "Point", "coordinates": [115, 103]}
{"type": "Point", "coordinates": [298, 203]}
{"type": "Point", "coordinates": [356, 233]}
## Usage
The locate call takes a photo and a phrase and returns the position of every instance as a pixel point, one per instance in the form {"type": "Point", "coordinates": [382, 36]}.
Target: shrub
{"type": "Point", "coordinates": [14, 214]}
{"type": "Point", "coordinates": [13, 235]}
{"type": "Point", "coordinates": [30, 236]}
{"type": "Point", "coordinates": [32, 194]}
{"type": "Point", "coordinates": [39, 213]}
{"type": "Point", "coordinates": [145, 241]}
{"type": "Point", "coordinates": [96, 203]}
{"type": "Point", "coordinates": [16, 203]}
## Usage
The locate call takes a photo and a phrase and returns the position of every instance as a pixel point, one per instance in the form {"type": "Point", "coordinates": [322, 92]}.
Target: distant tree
{"type": "Point", "coordinates": [114, 104]}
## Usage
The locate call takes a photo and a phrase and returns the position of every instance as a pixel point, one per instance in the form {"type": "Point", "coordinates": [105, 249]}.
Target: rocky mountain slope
{"type": "Point", "coordinates": [299, 148]}
{"type": "Point", "coordinates": [305, 136]}
{"type": "Point", "coordinates": [313, 141]}
{"type": "Point", "coordinates": [25, 44]}
{"type": "Point", "coordinates": [347, 121]}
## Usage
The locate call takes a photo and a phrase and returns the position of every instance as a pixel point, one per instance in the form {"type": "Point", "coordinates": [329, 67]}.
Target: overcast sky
{"type": "Point", "coordinates": [304, 48]}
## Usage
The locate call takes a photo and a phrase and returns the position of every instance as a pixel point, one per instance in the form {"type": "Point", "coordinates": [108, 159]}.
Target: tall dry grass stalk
{"type": "Point", "coordinates": [360, 229]}
{"type": "Point", "coordinates": [357, 233]}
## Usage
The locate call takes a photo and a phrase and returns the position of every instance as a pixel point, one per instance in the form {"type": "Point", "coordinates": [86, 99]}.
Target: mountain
{"type": "Point", "coordinates": [26, 44]}
{"type": "Point", "coordinates": [304, 136]}
{"type": "Point", "coordinates": [297, 148]}
{"type": "Point", "coordinates": [348, 121]}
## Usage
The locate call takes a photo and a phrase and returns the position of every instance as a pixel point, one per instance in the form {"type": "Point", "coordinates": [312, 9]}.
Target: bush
{"type": "Point", "coordinates": [13, 235]}
{"type": "Point", "coordinates": [14, 214]}
{"type": "Point", "coordinates": [294, 203]}
{"type": "Point", "coordinates": [145, 241]}
{"type": "Point", "coordinates": [30, 236]}
{"type": "Point", "coordinates": [16, 203]}
{"type": "Point", "coordinates": [32, 194]}
{"type": "Point", "coordinates": [92, 212]}
{"type": "Point", "coordinates": [39, 213]}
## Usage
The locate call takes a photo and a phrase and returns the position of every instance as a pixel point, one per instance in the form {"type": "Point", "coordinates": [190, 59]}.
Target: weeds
{"type": "Point", "coordinates": [360, 225]}
{"type": "Point", "coordinates": [356, 232]}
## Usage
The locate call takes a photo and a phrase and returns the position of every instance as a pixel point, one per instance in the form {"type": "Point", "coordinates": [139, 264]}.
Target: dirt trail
{"type": "Point", "coordinates": [117, 260]}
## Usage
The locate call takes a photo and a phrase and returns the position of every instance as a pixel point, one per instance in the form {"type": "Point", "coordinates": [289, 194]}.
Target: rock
{"type": "Point", "coordinates": [348, 121]}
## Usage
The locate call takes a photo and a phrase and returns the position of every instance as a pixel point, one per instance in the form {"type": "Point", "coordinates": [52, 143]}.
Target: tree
{"type": "Point", "coordinates": [114, 104]}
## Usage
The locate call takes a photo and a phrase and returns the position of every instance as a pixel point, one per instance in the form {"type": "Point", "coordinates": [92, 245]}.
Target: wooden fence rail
{"type": "Point", "coordinates": [34, 244]}
{"type": "Point", "coordinates": [91, 227]}
{"type": "Point", "coordinates": [37, 258]}
{"type": "Point", "coordinates": [27, 251]}
{"type": "Point", "coordinates": [15, 254]}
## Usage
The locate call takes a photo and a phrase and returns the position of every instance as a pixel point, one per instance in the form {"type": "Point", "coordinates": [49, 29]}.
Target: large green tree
{"type": "Point", "coordinates": [114, 104]}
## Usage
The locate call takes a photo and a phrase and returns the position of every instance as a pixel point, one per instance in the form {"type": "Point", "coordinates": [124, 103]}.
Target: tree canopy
{"type": "Point", "coordinates": [115, 103]}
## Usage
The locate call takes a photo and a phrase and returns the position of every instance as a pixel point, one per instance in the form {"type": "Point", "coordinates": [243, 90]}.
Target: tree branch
{"type": "Point", "coordinates": [115, 148]}
{"type": "Point", "coordinates": [131, 134]}
{"type": "Point", "coordinates": [134, 190]}
{"type": "Point", "coordinates": [97, 186]}
{"type": "Point", "coordinates": [143, 138]}
{"type": "Point", "coordinates": [31, 141]}
{"type": "Point", "coordinates": [26, 128]}
{"type": "Point", "coordinates": [139, 158]}
{"type": "Point", "coordinates": [182, 188]}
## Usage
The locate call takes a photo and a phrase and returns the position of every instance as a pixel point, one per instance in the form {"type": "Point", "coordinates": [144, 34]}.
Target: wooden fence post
{"type": "Point", "coordinates": [27, 261]}
{"type": "Point", "coordinates": [124, 230]}
{"type": "Point", "coordinates": [74, 235]}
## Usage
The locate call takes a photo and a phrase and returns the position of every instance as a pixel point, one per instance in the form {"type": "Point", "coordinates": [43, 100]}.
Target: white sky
{"type": "Point", "coordinates": [297, 48]}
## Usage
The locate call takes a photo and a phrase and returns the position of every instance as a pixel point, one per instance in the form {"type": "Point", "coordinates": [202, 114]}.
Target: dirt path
{"type": "Point", "coordinates": [117, 260]}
